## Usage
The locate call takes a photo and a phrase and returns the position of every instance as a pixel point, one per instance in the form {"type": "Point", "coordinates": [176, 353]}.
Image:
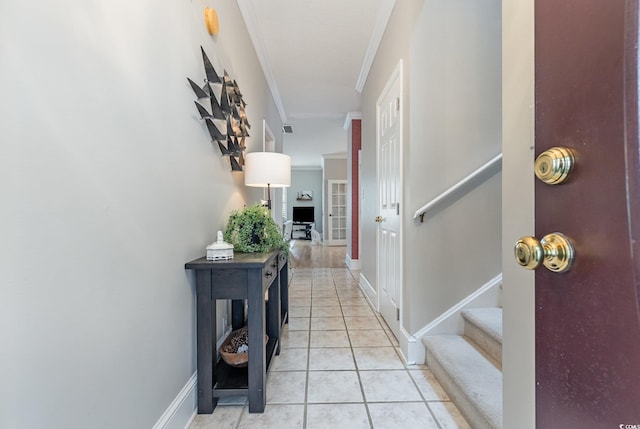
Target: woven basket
{"type": "Point", "coordinates": [237, 360]}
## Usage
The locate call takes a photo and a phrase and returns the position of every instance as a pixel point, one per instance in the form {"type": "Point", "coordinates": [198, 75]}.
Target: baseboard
{"type": "Point", "coordinates": [369, 292]}
{"type": "Point", "coordinates": [183, 409]}
{"type": "Point", "coordinates": [352, 264]}
{"type": "Point", "coordinates": [450, 322]}
{"type": "Point", "coordinates": [408, 347]}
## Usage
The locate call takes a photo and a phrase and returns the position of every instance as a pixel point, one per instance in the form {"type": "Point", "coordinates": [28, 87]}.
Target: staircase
{"type": "Point", "coordinates": [469, 367]}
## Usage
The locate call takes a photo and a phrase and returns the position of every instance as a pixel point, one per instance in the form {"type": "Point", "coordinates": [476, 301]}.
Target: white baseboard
{"type": "Point", "coordinates": [407, 346]}
{"type": "Point", "coordinates": [352, 264]}
{"type": "Point", "coordinates": [369, 292]}
{"type": "Point", "coordinates": [450, 322]}
{"type": "Point", "coordinates": [183, 409]}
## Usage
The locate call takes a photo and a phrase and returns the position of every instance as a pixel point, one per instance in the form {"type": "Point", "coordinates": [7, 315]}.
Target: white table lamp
{"type": "Point", "coordinates": [267, 170]}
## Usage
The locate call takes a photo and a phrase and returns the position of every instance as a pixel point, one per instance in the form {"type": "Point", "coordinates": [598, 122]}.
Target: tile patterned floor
{"type": "Point", "coordinates": [339, 368]}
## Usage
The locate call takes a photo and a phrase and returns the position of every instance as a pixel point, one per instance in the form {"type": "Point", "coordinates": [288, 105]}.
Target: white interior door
{"type": "Point", "coordinates": [337, 222]}
{"type": "Point", "coordinates": [389, 154]}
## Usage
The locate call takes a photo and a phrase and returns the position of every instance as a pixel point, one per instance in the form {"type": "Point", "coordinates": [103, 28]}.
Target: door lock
{"type": "Point", "coordinates": [554, 166]}
{"type": "Point", "coordinates": [555, 251]}
{"type": "Point", "coordinates": [379, 219]}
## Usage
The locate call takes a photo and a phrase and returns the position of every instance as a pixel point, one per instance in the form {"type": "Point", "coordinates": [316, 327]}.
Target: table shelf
{"type": "Point", "coordinates": [233, 381]}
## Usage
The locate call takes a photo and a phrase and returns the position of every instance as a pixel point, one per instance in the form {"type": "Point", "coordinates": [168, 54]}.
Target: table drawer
{"type": "Point", "coordinates": [270, 271]}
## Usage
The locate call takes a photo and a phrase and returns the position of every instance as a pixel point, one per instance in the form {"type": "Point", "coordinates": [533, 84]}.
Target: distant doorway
{"type": "Point", "coordinates": [337, 222]}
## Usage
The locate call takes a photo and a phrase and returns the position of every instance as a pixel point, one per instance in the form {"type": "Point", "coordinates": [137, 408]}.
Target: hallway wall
{"type": "Point", "coordinates": [109, 184]}
{"type": "Point", "coordinates": [452, 125]}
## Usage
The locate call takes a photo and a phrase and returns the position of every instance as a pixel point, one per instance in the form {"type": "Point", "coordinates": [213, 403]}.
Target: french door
{"type": "Point", "coordinates": [337, 222]}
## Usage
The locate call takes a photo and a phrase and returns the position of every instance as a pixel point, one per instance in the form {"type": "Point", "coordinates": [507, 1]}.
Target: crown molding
{"type": "Point", "coordinates": [384, 13]}
{"type": "Point", "coordinates": [251, 22]}
{"type": "Point", "coordinates": [350, 117]}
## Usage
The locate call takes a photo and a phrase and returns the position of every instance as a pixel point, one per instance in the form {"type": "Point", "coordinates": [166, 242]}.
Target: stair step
{"type": "Point", "coordinates": [472, 382]}
{"type": "Point", "coordinates": [483, 326]}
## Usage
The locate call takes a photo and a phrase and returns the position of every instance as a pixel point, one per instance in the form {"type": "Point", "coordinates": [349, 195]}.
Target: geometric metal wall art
{"type": "Point", "coordinates": [221, 106]}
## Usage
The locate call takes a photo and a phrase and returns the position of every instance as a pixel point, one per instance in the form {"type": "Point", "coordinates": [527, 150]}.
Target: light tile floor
{"type": "Point", "coordinates": [339, 367]}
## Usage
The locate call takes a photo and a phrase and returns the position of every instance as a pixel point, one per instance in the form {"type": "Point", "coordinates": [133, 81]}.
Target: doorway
{"type": "Point", "coordinates": [389, 156]}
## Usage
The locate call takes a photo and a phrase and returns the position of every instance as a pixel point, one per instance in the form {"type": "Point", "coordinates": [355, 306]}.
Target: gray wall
{"type": "Point", "coordinates": [452, 115]}
{"type": "Point", "coordinates": [393, 46]}
{"type": "Point", "coordinates": [306, 179]}
{"type": "Point", "coordinates": [518, 348]}
{"type": "Point", "coordinates": [109, 185]}
{"type": "Point", "coordinates": [455, 77]}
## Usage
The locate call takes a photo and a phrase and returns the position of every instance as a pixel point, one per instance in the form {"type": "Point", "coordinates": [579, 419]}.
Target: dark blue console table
{"type": "Point", "coordinates": [249, 276]}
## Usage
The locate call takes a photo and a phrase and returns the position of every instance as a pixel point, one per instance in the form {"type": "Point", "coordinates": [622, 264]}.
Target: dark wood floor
{"type": "Point", "coordinates": [302, 254]}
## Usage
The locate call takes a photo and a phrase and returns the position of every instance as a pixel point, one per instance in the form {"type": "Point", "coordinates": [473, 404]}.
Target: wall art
{"type": "Point", "coordinates": [221, 106]}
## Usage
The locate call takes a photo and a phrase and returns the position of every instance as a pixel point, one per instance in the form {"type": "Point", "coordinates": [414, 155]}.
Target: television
{"type": "Point", "coordinates": [303, 214]}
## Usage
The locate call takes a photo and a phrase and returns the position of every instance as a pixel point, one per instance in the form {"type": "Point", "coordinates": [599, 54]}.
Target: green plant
{"type": "Point", "coordinates": [253, 230]}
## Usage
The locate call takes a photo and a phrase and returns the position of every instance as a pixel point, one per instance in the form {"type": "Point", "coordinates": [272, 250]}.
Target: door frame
{"type": "Point", "coordinates": [518, 290]}
{"type": "Point", "coordinates": [396, 75]}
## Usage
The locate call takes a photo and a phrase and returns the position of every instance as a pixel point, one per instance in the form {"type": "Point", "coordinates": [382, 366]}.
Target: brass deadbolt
{"type": "Point", "coordinates": [555, 251]}
{"type": "Point", "coordinates": [554, 166]}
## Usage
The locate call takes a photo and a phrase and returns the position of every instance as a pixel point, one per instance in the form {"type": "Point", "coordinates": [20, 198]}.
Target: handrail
{"type": "Point", "coordinates": [431, 204]}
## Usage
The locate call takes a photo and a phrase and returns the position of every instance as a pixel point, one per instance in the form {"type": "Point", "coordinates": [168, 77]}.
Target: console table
{"type": "Point", "coordinates": [249, 276]}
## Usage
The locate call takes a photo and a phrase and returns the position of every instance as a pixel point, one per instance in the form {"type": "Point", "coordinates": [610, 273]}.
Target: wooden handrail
{"type": "Point", "coordinates": [434, 202]}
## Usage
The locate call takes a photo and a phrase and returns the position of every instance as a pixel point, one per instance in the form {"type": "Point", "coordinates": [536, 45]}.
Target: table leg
{"type": "Point", "coordinates": [273, 323]}
{"type": "Point", "coordinates": [257, 352]}
{"type": "Point", "coordinates": [284, 292]}
{"type": "Point", "coordinates": [206, 330]}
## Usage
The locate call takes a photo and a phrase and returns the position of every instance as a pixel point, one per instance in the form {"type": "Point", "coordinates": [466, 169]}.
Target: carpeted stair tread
{"type": "Point", "coordinates": [487, 319]}
{"type": "Point", "coordinates": [472, 382]}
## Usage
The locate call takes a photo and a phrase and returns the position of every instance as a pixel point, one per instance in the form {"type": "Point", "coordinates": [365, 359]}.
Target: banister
{"type": "Point", "coordinates": [434, 202]}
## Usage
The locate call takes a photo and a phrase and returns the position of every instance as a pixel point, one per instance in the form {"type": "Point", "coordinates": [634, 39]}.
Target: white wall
{"type": "Point", "coordinates": [518, 346]}
{"type": "Point", "coordinates": [452, 86]}
{"type": "Point", "coordinates": [108, 185]}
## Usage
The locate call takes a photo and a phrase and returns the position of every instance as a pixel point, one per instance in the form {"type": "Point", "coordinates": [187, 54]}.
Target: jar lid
{"type": "Point", "coordinates": [220, 244]}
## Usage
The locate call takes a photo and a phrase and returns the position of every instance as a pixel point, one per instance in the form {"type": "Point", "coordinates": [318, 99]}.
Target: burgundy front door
{"type": "Point", "coordinates": [587, 319]}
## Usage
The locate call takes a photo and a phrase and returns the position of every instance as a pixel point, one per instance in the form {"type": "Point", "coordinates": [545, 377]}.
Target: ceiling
{"type": "Point", "coordinates": [316, 55]}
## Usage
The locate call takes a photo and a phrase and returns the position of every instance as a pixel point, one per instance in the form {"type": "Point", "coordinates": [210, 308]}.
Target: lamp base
{"type": "Point", "coordinates": [269, 196]}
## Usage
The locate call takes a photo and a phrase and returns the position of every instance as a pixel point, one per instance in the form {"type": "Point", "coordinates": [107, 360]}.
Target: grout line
{"type": "Point", "coordinates": [355, 363]}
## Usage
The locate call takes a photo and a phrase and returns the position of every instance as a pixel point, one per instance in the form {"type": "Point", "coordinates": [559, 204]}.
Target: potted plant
{"type": "Point", "coordinates": [252, 229]}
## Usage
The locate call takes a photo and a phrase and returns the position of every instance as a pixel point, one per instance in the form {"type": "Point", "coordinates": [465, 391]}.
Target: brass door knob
{"type": "Point", "coordinates": [555, 251]}
{"type": "Point", "coordinates": [554, 166]}
{"type": "Point", "coordinates": [379, 219]}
